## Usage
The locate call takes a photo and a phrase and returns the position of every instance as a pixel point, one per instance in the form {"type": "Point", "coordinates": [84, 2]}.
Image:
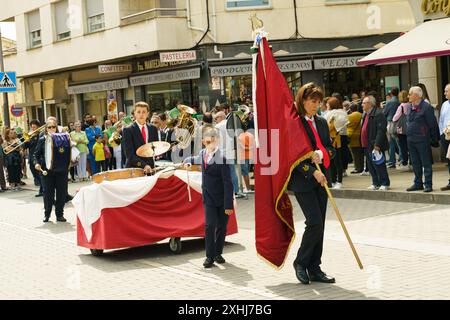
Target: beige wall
{"type": "Point", "coordinates": [316, 20]}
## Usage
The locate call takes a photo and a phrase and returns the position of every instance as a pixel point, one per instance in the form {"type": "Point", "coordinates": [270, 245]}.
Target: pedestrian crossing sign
{"type": "Point", "coordinates": [8, 82]}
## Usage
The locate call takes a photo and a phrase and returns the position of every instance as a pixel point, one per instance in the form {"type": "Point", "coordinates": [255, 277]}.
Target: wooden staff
{"type": "Point", "coordinates": [336, 210]}
{"type": "Point", "coordinates": [188, 185]}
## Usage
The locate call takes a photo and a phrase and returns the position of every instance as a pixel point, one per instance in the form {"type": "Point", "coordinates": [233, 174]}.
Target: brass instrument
{"type": "Point", "coordinates": [182, 120]}
{"type": "Point", "coordinates": [25, 138]}
{"type": "Point", "coordinates": [114, 132]}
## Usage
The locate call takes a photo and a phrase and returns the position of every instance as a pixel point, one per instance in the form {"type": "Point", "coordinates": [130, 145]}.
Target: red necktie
{"type": "Point", "coordinates": [326, 157]}
{"type": "Point", "coordinates": [205, 159]}
{"type": "Point", "coordinates": [143, 134]}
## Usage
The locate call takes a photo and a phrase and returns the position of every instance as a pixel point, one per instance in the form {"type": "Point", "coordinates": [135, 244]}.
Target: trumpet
{"type": "Point", "coordinates": [25, 138]}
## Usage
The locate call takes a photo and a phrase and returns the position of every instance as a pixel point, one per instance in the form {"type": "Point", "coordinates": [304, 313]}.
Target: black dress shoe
{"type": "Point", "coordinates": [446, 188]}
{"type": "Point", "coordinates": [414, 188]}
{"type": "Point", "coordinates": [428, 189]}
{"type": "Point", "coordinates": [320, 276]}
{"type": "Point", "coordinates": [39, 195]}
{"type": "Point", "coordinates": [301, 273]}
{"type": "Point", "coordinates": [219, 259]}
{"type": "Point", "coordinates": [209, 262]}
{"type": "Point", "coordinates": [45, 219]}
{"type": "Point", "coordinates": [61, 219]}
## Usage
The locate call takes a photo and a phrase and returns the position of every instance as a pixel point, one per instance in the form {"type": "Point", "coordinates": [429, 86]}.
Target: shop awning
{"type": "Point", "coordinates": [430, 39]}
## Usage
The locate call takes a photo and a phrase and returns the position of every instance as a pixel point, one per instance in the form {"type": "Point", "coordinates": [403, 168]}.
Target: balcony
{"type": "Point", "coordinates": [133, 11]}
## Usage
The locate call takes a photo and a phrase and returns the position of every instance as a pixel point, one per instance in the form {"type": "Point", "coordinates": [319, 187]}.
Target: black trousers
{"type": "Point", "coordinates": [336, 166]}
{"type": "Point", "coordinates": [358, 158]}
{"type": "Point", "coordinates": [314, 207]}
{"type": "Point", "coordinates": [216, 222]}
{"type": "Point", "coordinates": [55, 182]}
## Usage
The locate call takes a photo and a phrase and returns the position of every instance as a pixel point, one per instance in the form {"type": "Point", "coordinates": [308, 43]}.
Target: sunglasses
{"type": "Point", "coordinates": [207, 142]}
{"type": "Point", "coordinates": [51, 127]}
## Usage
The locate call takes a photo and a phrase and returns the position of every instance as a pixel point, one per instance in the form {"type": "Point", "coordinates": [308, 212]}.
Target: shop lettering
{"type": "Point", "coordinates": [178, 56]}
{"type": "Point", "coordinates": [156, 64]}
{"type": "Point", "coordinates": [166, 77]}
{"type": "Point", "coordinates": [433, 6]}
{"type": "Point", "coordinates": [336, 63]}
{"type": "Point", "coordinates": [245, 69]}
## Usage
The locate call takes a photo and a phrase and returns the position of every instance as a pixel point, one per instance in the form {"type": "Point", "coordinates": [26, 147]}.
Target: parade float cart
{"type": "Point", "coordinates": [143, 210]}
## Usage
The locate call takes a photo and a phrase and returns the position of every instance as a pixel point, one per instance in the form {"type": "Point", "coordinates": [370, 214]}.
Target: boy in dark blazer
{"type": "Point", "coordinates": [137, 134]}
{"type": "Point", "coordinates": [217, 192]}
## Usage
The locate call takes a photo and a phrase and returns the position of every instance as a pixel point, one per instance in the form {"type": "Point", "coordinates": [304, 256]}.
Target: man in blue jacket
{"type": "Point", "coordinates": [422, 133]}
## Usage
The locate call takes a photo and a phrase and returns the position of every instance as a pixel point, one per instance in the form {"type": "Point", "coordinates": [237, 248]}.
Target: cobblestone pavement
{"type": "Point", "coordinates": [405, 248]}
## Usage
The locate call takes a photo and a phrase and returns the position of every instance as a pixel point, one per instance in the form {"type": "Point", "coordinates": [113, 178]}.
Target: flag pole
{"type": "Point", "coordinates": [336, 210]}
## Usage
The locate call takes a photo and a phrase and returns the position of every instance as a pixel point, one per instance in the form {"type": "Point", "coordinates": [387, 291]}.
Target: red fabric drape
{"type": "Point", "coordinates": [165, 212]}
{"type": "Point", "coordinates": [274, 225]}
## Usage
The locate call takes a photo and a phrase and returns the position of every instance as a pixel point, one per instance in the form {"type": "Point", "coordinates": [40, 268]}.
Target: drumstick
{"type": "Point", "coordinates": [188, 185]}
{"type": "Point", "coordinates": [45, 173]}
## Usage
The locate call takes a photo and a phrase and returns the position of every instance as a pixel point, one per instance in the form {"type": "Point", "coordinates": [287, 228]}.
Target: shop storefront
{"type": "Point", "coordinates": [165, 90]}
{"type": "Point", "coordinates": [235, 81]}
{"type": "Point", "coordinates": [100, 98]}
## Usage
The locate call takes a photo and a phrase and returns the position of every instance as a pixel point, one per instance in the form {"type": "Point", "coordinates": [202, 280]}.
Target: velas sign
{"type": "Point", "coordinates": [17, 111]}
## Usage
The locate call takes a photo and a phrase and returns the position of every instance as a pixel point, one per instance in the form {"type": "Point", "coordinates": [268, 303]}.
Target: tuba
{"type": "Point", "coordinates": [184, 127]}
{"type": "Point", "coordinates": [114, 132]}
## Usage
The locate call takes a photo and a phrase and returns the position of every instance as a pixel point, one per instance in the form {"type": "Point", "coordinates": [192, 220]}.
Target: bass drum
{"type": "Point", "coordinates": [118, 174]}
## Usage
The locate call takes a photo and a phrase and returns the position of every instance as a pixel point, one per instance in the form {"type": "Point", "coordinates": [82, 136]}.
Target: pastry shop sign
{"type": "Point", "coordinates": [177, 56]}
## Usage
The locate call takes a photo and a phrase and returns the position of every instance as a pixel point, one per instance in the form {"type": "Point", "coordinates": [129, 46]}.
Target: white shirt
{"type": "Point", "coordinates": [226, 143]}
{"type": "Point", "coordinates": [319, 152]}
{"type": "Point", "coordinates": [444, 116]}
{"type": "Point", "coordinates": [209, 156]}
{"type": "Point", "coordinates": [145, 128]}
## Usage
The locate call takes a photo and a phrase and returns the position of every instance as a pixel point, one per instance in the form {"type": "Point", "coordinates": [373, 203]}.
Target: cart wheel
{"type": "Point", "coordinates": [175, 245]}
{"type": "Point", "coordinates": [96, 252]}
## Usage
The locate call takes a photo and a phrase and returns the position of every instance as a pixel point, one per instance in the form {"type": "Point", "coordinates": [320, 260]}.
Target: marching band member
{"type": "Point", "coordinates": [308, 185]}
{"type": "Point", "coordinates": [217, 191]}
{"type": "Point", "coordinates": [54, 178]}
{"type": "Point", "coordinates": [136, 135]}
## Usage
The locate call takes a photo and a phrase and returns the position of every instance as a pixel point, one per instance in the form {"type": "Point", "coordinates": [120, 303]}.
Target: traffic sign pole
{"type": "Point", "coordinates": [6, 120]}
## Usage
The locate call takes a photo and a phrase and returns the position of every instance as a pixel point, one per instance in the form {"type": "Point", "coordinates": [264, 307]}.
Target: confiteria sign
{"type": "Point", "coordinates": [436, 6]}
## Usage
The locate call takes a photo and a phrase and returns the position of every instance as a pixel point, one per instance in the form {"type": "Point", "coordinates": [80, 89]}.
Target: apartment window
{"type": "Point", "coordinates": [34, 27]}
{"type": "Point", "coordinates": [95, 15]}
{"type": "Point", "coordinates": [247, 4]}
{"type": "Point", "coordinates": [62, 19]}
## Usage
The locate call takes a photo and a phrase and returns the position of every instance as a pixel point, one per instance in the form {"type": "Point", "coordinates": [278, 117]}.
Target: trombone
{"type": "Point", "coordinates": [25, 138]}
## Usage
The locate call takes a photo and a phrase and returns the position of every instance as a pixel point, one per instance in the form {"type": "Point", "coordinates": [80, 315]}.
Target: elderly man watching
{"type": "Point", "coordinates": [374, 138]}
{"type": "Point", "coordinates": [422, 133]}
{"type": "Point", "coordinates": [444, 126]}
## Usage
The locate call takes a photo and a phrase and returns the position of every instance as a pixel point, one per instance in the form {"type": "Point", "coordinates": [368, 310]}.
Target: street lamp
{"type": "Point", "coordinates": [5, 94]}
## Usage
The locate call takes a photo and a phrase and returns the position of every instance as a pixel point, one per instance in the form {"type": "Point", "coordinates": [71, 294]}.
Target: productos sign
{"type": "Point", "coordinates": [436, 6]}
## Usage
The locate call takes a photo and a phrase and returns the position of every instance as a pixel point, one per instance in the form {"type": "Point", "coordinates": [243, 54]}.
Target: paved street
{"type": "Point", "coordinates": [405, 248]}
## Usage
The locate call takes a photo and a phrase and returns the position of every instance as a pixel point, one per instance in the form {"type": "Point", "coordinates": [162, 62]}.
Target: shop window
{"type": "Point", "coordinates": [247, 4]}
{"type": "Point", "coordinates": [95, 104]}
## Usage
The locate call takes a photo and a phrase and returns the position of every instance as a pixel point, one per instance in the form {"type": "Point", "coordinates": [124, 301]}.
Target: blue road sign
{"type": "Point", "coordinates": [8, 82]}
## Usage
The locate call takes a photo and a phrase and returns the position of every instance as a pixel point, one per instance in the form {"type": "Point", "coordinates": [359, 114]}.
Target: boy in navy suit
{"type": "Point", "coordinates": [217, 192]}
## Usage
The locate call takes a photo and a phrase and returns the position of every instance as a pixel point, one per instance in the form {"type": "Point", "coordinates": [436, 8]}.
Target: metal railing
{"type": "Point", "coordinates": [152, 14]}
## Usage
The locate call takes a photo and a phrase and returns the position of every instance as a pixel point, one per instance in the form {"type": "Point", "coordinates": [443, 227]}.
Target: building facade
{"type": "Point", "coordinates": [101, 56]}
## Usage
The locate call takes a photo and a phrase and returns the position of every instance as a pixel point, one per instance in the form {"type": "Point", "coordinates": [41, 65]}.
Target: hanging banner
{"type": "Point", "coordinates": [111, 102]}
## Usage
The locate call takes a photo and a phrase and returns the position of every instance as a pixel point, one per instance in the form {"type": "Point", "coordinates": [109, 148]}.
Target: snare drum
{"type": "Point", "coordinates": [118, 175]}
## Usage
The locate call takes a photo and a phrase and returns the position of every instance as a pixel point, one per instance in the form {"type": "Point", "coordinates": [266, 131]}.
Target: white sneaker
{"type": "Point", "coordinates": [248, 191]}
{"type": "Point", "coordinates": [364, 173]}
{"type": "Point", "coordinates": [372, 187]}
{"type": "Point", "coordinates": [384, 188]}
{"type": "Point", "coordinates": [337, 185]}
{"type": "Point", "coordinates": [402, 168]}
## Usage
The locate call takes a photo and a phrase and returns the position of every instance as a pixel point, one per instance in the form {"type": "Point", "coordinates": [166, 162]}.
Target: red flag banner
{"type": "Point", "coordinates": [283, 144]}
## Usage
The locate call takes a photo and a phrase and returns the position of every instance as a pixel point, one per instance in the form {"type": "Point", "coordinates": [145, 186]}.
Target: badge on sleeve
{"type": "Point", "coordinates": [305, 168]}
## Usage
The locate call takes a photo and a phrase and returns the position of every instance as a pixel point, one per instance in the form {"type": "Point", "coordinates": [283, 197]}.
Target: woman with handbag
{"type": "Point", "coordinates": [399, 121]}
